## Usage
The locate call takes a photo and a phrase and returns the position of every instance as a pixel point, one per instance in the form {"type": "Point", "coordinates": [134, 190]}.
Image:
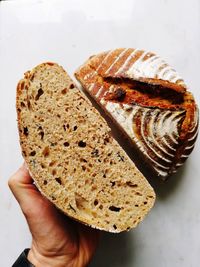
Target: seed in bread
{"type": "Point", "coordinates": [72, 156]}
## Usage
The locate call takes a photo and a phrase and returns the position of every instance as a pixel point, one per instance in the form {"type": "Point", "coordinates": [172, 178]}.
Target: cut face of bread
{"type": "Point", "coordinates": [73, 159]}
{"type": "Point", "coordinates": [149, 101]}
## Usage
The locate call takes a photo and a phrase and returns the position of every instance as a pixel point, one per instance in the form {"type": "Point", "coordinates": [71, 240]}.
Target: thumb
{"type": "Point", "coordinates": [21, 184]}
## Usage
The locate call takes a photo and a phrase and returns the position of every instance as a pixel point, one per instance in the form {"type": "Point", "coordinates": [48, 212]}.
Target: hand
{"type": "Point", "coordinates": [57, 241]}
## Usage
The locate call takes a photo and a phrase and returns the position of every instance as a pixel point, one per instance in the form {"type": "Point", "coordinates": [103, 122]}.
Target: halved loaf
{"type": "Point", "coordinates": [72, 156]}
{"type": "Point", "coordinates": [149, 101]}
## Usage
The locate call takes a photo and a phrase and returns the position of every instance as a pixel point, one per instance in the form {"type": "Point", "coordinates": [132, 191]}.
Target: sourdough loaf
{"type": "Point", "coordinates": [149, 101]}
{"type": "Point", "coordinates": [72, 156]}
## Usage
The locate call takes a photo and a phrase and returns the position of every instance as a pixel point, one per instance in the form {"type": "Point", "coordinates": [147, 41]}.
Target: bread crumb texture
{"type": "Point", "coordinates": [74, 160]}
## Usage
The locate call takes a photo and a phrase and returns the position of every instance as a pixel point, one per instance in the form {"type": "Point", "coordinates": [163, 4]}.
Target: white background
{"type": "Point", "coordinates": [68, 32]}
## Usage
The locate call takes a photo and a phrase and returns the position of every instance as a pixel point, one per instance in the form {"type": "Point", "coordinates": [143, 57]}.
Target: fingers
{"type": "Point", "coordinates": [21, 183]}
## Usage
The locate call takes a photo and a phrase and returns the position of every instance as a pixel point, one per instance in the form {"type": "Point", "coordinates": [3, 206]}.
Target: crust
{"type": "Point", "coordinates": [131, 78]}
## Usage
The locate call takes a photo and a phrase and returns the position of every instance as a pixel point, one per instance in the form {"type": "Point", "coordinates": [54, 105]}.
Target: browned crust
{"type": "Point", "coordinates": [106, 79]}
{"type": "Point", "coordinates": [98, 59]}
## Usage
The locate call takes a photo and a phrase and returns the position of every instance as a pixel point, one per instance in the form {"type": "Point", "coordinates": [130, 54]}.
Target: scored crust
{"type": "Point", "coordinates": [72, 157]}
{"type": "Point", "coordinates": [149, 101]}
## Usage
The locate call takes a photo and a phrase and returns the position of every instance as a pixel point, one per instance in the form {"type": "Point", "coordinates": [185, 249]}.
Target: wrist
{"type": "Point", "coordinates": [40, 260]}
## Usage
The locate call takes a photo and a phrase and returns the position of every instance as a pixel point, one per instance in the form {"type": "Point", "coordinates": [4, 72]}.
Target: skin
{"type": "Point", "coordinates": [57, 241]}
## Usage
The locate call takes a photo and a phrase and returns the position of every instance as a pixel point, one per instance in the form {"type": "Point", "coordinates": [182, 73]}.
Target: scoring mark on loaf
{"type": "Point", "coordinates": [138, 64]}
{"type": "Point", "coordinates": [154, 131]}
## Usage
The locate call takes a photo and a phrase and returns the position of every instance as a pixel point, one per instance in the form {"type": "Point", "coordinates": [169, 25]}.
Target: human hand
{"type": "Point", "coordinates": [57, 241]}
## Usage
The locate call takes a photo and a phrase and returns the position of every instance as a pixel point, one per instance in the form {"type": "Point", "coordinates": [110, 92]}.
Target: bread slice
{"type": "Point", "coordinates": [149, 101]}
{"type": "Point", "coordinates": [72, 156]}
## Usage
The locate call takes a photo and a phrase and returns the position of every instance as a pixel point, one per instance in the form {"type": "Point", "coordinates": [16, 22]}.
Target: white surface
{"type": "Point", "coordinates": [68, 32]}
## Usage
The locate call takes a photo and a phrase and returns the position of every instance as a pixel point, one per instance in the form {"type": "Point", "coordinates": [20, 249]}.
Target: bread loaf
{"type": "Point", "coordinates": [72, 156]}
{"type": "Point", "coordinates": [149, 101]}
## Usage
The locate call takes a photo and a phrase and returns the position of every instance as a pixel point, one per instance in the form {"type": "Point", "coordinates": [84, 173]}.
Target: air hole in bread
{"type": "Point", "coordinates": [81, 202]}
{"type": "Point", "coordinates": [39, 93]}
{"type": "Point", "coordinates": [53, 144]}
{"type": "Point", "coordinates": [145, 202]}
{"type": "Point", "coordinates": [33, 153]}
{"type": "Point", "coordinates": [96, 202]}
{"type": "Point", "coordinates": [66, 144]}
{"type": "Point", "coordinates": [120, 157]}
{"type": "Point", "coordinates": [83, 168]}
{"type": "Point", "coordinates": [41, 133]}
{"type": "Point", "coordinates": [25, 131]}
{"type": "Point", "coordinates": [95, 153]}
{"type": "Point", "coordinates": [64, 127]}
{"type": "Point", "coordinates": [45, 182]}
{"type": "Point", "coordinates": [75, 128]}
{"type": "Point", "coordinates": [58, 180]}
{"type": "Point", "coordinates": [138, 194]}
{"type": "Point", "coordinates": [83, 160]}
{"type": "Point", "coordinates": [114, 208]}
{"type": "Point", "coordinates": [58, 115]}
{"type": "Point", "coordinates": [106, 140]}
{"type": "Point", "coordinates": [43, 165]}
{"type": "Point", "coordinates": [94, 214]}
{"type": "Point", "coordinates": [74, 169]}
{"type": "Point", "coordinates": [41, 119]}
{"type": "Point", "coordinates": [52, 163]}
{"type": "Point", "coordinates": [46, 151]}
{"type": "Point", "coordinates": [54, 172]}
{"type": "Point", "coordinates": [82, 144]}
{"type": "Point", "coordinates": [53, 198]}
{"type": "Point", "coordinates": [100, 207]}
{"type": "Point", "coordinates": [64, 91]}
{"type": "Point", "coordinates": [29, 105]}
{"type": "Point", "coordinates": [136, 205]}
{"type": "Point", "coordinates": [104, 176]}
{"type": "Point", "coordinates": [94, 188]}
{"type": "Point", "coordinates": [114, 226]}
{"type": "Point", "coordinates": [131, 184]}
{"type": "Point", "coordinates": [22, 105]}
{"type": "Point", "coordinates": [87, 181]}
{"type": "Point", "coordinates": [105, 160]}
{"type": "Point", "coordinates": [113, 183]}
{"type": "Point", "coordinates": [71, 86]}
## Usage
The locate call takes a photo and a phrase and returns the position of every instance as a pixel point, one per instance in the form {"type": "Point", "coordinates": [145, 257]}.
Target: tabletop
{"type": "Point", "coordinates": [68, 32]}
